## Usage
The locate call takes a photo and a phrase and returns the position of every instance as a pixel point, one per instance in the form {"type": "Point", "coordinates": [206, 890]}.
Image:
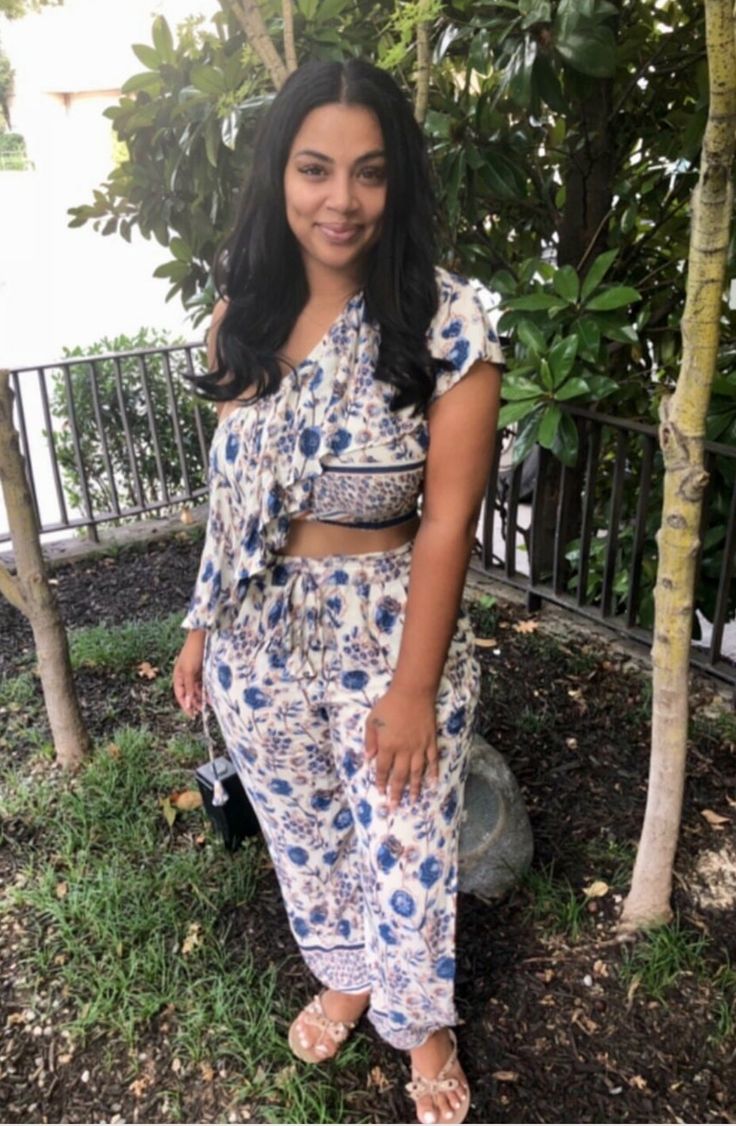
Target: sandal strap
{"type": "Point", "coordinates": [420, 1086]}
{"type": "Point", "coordinates": [338, 1030]}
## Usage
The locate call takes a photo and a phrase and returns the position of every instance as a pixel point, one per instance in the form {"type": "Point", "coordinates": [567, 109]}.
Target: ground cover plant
{"type": "Point", "coordinates": [148, 976]}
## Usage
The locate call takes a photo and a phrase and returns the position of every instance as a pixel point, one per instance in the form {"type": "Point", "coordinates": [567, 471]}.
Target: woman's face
{"type": "Point", "coordinates": [335, 186]}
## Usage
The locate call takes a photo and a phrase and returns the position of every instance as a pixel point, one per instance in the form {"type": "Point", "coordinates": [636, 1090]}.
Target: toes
{"type": "Point", "coordinates": [427, 1111]}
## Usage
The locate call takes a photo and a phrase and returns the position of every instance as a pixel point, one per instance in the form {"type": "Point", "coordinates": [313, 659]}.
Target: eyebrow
{"type": "Point", "coordinates": [328, 159]}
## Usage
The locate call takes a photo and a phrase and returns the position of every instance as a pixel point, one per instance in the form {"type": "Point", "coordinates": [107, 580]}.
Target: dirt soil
{"type": "Point", "coordinates": [552, 1030]}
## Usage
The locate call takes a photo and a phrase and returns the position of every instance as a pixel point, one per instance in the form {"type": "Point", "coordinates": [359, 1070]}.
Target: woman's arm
{"type": "Point", "coordinates": [400, 733]}
{"type": "Point", "coordinates": [462, 433]}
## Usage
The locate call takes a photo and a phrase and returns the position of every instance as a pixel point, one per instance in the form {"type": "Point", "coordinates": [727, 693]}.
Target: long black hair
{"type": "Point", "coordinates": [259, 268]}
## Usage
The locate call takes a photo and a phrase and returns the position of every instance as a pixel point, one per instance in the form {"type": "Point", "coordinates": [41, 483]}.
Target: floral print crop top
{"type": "Point", "coordinates": [325, 446]}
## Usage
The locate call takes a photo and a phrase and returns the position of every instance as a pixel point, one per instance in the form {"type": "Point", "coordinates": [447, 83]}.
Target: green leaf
{"type": "Point", "coordinates": [567, 284]}
{"type": "Point", "coordinates": [546, 374]}
{"type": "Point", "coordinates": [547, 85]}
{"type": "Point", "coordinates": [514, 412]}
{"type": "Point", "coordinates": [148, 81]}
{"type": "Point", "coordinates": [208, 79]}
{"type": "Point", "coordinates": [565, 445]}
{"type": "Point", "coordinates": [598, 270]}
{"type": "Point", "coordinates": [180, 250]}
{"type": "Point", "coordinates": [526, 437]}
{"type": "Point", "coordinates": [328, 9]}
{"type": "Point", "coordinates": [531, 337]}
{"type": "Point", "coordinates": [562, 357]}
{"type": "Point", "coordinates": [519, 387]}
{"type": "Point", "coordinates": [614, 298]}
{"type": "Point", "coordinates": [623, 333]}
{"type": "Point", "coordinates": [600, 386]}
{"type": "Point", "coordinates": [572, 389]}
{"type": "Point", "coordinates": [535, 11]}
{"type": "Point", "coordinates": [583, 40]}
{"type": "Point", "coordinates": [548, 426]}
{"type": "Point", "coordinates": [589, 336]}
{"type": "Point", "coordinates": [163, 40]}
{"type": "Point", "coordinates": [533, 303]}
{"type": "Point", "coordinates": [147, 55]}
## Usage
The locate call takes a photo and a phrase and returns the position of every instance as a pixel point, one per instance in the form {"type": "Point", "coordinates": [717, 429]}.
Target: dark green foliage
{"type": "Point", "coordinates": [122, 402]}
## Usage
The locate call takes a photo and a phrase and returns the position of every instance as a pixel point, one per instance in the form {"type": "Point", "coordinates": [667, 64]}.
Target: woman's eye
{"type": "Point", "coordinates": [374, 175]}
{"type": "Point", "coordinates": [312, 170]}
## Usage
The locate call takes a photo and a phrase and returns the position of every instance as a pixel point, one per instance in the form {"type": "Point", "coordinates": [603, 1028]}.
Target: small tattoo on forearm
{"type": "Point", "coordinates": [378, 722]}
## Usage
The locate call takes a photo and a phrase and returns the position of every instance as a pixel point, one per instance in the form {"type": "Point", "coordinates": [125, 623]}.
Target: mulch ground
{"type": "Point", "coordinates": [552, 1031]}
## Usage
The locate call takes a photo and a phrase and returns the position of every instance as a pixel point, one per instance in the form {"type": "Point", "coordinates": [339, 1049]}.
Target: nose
{"type": "Point", "coordinates": [342, 196]}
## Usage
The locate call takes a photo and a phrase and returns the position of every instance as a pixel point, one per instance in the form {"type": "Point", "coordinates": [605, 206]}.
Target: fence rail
{"type": "Point", "coordinates": [111, 437]}
{"type": "Point", "coordinates": [114, 437]}
{"type": "Point", "coordinates": [589, 534]}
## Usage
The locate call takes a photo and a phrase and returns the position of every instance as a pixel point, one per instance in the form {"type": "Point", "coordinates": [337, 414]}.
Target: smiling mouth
{"type": "Point", "coordinates": [338, 232]}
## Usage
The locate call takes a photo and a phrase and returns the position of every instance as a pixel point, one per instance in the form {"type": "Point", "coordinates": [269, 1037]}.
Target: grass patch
{"type": "Point", "coordinates": [662, 956]}
{"type": "Point", "coordinates": [554, 904]}
{"type": "Point", "coordinates": [121, 924]}
{"type": "Point", "coordinates": [485, 615]}
{"type": "Point", "coordinates": [18, 692]}
{"type": "Point", "coordinates": [116, 648]}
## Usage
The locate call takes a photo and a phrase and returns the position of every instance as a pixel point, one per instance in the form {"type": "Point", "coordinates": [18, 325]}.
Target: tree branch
{"type": "Point", "coordinates": [289, 47]}
{"type": "Point", "coordinates": [250, 18]}
{"type": "Point", "coordinates": [421, 99]}
{"type": "Point", "coordinates": [10, 589]}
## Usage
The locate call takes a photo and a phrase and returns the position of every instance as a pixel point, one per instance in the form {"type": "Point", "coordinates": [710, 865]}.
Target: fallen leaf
{"type": "Point", "coordinates": [529, 626]}
{"type": "Point", "coordinates": [486, 642]}
{"type": "Point", "coordinates": [639, 1082]}
{"type": "Point", "coordinates": [186, 516]}
{"type": "Point", "coordinates": [633, 986]}
{"type": "Point", "coordinates": [113, 750]}
{"type": "Point", "coordinates": [193, 939]}
{"type": "Point", "coordinates": [505, 1076]}
{"type": "Point", "coordinates": [168, 811]}
{"type": "Point", "coordinates": [597, 889]}
{"type": "Point", "coordinates": [207, 1071]}
{"type": "Point", "coordinates": [284, 1075]}
{"type": "Point", "coordinates": [715, 819]}
{"type": "Point", "coordinates": [377, 1078]}
{"type": "Point", "coordinates": [147, 670]}
{"type": "Point", "coordinates": [61, 889]}
{"type": "Point", "coordinates": [600, 969]}
{"type": "Point", "coordinates": [571, 743]}
{"type": "Point", "coordinates": [187, 800]}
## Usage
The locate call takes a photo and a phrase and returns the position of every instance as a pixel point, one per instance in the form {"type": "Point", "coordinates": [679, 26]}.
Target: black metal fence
{"type": "Point", "coordinates": [112, 438]}
{"type": "Point", "coordinates": [585, 539]}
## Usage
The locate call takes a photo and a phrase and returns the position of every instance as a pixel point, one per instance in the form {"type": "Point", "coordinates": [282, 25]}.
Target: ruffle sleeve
{"type": "Point", "coordinates": [461, 331]}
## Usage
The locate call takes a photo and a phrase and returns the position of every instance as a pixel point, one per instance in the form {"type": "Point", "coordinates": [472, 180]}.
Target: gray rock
{"type": "Point", "coordinates": [496, 843]}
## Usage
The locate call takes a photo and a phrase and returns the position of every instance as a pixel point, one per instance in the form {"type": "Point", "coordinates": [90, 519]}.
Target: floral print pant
{"type": "Point", "coordinates": [370, 894]}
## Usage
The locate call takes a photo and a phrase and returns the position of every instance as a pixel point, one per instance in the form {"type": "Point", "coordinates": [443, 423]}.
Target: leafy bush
{"type": "Point", "coordinates": [13, 156]}
{"type": "Point", "coordinates": [135, 394]}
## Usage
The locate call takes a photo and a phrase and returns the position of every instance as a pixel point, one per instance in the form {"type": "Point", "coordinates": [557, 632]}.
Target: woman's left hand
{"type": "Point", "coordinates": [401, 735]}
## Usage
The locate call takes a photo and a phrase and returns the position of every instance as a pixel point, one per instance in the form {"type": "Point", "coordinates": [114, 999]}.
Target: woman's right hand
{"type": "Point", "coordinates": [187, 677]}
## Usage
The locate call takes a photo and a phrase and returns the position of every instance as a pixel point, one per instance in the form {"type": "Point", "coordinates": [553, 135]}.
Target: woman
{"type": "Point", "coordinates": [326, 630]}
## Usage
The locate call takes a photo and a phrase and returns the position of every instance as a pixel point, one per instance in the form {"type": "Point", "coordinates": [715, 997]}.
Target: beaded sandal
{"type": "Point", "coordinates": [337, 1030]}
{"type": "Point", "coordinates": [442, 1084]}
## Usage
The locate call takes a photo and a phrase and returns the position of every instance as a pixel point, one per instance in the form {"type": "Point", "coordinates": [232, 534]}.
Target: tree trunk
{"type": "Point", "coordinates": [31, 593]}
{"type": "Point", "coordinates": [250, 18]}
{"type": "Point", "coordinates": [583, 230]}
{"type": "Point", "coordinates": [681, 436]}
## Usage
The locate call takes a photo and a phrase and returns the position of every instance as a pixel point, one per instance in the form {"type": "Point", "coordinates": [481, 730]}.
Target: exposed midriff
{"type": "Point", "coordinates": [316, 539]}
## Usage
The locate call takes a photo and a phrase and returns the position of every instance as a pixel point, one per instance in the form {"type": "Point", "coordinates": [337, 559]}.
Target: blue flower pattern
{"type": "Point", "coordinates": [293, 667]}
{"type": "Point", "coordinates": [309, 449]}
